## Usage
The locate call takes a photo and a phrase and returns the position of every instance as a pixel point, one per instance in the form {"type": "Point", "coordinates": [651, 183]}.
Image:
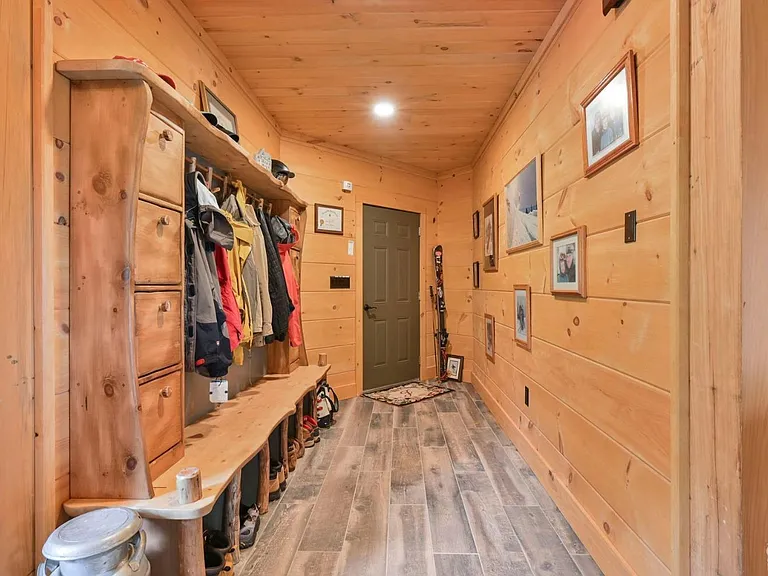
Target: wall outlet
{"type": "Point", "coordinates": [527, 396]}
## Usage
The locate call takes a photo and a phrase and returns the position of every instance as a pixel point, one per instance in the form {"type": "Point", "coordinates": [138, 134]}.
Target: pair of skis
{"type": "Point", "coordinates": [438, 303]}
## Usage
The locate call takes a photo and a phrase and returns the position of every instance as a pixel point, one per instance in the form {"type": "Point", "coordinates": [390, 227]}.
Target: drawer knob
{"type": "Point", "coordinates": [165, 220]}
{"type": "Point", "coordinates": [166, 392]}
{"type": "Point", "coordinates": [167, 135]}
{"type": "Point", "coordinates": [166, 306]}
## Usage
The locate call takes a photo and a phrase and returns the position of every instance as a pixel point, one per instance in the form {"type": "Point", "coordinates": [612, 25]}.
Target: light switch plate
{"type": "Point", "coordinates": [630, 227]}
{"type": "Point", "coordinates": [219, 391]}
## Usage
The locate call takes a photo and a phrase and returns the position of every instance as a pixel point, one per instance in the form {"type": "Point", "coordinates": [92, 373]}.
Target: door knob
{"type": "Point", "coordinates": [368, 308]}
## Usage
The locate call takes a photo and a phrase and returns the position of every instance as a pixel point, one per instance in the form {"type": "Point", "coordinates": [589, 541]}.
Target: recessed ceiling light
{"type": "Point", "coordinates": [384, 109]}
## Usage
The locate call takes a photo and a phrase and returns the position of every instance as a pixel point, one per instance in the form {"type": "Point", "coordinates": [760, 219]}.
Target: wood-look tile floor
{"type": "Point", "coordinates": [434, 488]}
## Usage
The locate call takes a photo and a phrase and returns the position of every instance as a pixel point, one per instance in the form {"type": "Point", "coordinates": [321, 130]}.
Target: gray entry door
{"type": "Point", "coordinates": [390, 296]}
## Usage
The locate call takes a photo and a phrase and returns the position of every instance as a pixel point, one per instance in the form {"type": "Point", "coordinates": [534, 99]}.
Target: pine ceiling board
{"type": "Point", "coordinates": [319, 66]}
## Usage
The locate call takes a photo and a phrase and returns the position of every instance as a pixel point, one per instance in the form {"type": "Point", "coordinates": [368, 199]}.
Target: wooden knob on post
{"type": "Point", "coordinates": [167, 135]}
{"type": "Point", "coordinates": [165, 306]}
{"type": "Point", "coordinates": [166, 392]}
{"type": "Point", "coordinates": [165, 220]}
{"type": "Point", "coordinates": [322, 359]}
{"type": "Point", "coordinates": [189, 484]}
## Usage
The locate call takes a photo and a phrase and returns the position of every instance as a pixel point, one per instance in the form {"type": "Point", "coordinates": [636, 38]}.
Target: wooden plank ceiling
{"type": "Point", "coordinates": [320, 65]}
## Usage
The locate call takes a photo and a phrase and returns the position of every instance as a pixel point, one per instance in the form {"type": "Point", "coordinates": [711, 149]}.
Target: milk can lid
{"type": "Point", "coordinates": [92, 533]}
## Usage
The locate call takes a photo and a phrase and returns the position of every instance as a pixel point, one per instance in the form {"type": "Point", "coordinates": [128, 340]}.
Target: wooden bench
{"type": "Point", "coordinates": [218, 445]}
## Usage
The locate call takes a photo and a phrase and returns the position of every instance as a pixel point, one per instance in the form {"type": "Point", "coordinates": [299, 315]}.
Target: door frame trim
{"type": "Point", "coordinates": [416, 206]}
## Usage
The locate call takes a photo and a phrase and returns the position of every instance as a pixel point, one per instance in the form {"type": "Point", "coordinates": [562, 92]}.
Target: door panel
{"type": "Point", "coordinates": [391, 288]}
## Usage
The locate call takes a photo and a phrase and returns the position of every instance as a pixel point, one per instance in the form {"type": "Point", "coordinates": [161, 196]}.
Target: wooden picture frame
{"type": "Point", "coordinates": [329, 219]}
{"type": "Point", "coordinates": [519, 221]}
{"type": "Point", "coordinates": [476, 224]}
{"type": "Point", "coordinates": [522, 315]}
{"type": "Point", "coordinates": [476, 274]}
{"type": "Point", "coordinates": [491, 234]}
{"type": "Point", "coordinates": [610, 129]}
{"type": "Point", "coordinates": [569, 277]}
{"type": "Point", "coordinates": [490, 338]}
{"type": "Point", "coordinates": [609, 5]}
{"type": "Point", "coordinates": [450, 360]}
{"type": "Point", "coordinates": [211, 103]}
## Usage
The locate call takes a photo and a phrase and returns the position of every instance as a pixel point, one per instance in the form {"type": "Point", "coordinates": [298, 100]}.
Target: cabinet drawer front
{"type": "Point", "coordinates": [158, 245]}
{"type": "Point", "coordinates": [158, 330]}
{"type": "Point", "coordinates": [162, 171]}
{"type": "Point", "coordinates": [161, 413]}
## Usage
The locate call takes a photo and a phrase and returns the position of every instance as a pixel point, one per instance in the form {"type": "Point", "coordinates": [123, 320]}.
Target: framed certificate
{"type": "Point", "coordinates": [329, 219]}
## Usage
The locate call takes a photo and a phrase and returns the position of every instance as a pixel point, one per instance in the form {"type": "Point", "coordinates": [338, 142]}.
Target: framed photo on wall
{"type": "Point", "coordinates": [476, 274]}
{"type": "Point", "coordinates": [491, 234]}
{"type": "Point", "coordinates": [454, 367]}
{"type": "Point", "coordinates": [524, 204]}
{"type": "Point", "coordinates": [490, 337]}
{"type": "Point", "coordinates": [329, 219]}
{"type": "Point", "coordinates": [523, 315]}
{"type": "Point", "coordinates": [476, 224]}
{"type": "Point", "coordinates": [610, 117]}
{"type": "Point", "coordinates": [210, 103]}
{"type": "Point", "coordinates": [568, 255]}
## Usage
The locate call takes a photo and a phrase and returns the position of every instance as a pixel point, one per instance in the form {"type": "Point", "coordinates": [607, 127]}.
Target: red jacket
{"type": "Point", "coordinates": [231, 309]}
{"type": "Point", "coordinates": [294, 320]}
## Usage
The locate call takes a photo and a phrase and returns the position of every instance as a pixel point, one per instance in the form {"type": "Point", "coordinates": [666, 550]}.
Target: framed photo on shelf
{"type": "Point", "coordinates": [454, 367]}
{"type": "Point", "coordinates": [329, 219]}
{"type": "Point", "coordinates": [524, 204]}
{"type": "Point", "coordinates": [490, 337]}
{"type": "Point", "coordinates": [523, 315]}
{"type": "Point", "coordinates": [610, 117]}
{"type": "Point", "coordinates": [491, 234]}
{"type": "Point", "coordinates": [211, 103]}
{"type": "Point", "coordinates": [476, 274]}
{"type": "Point", "coordinates": [476, 224]}
{"type": "Point", "coordinates": [568, 255]}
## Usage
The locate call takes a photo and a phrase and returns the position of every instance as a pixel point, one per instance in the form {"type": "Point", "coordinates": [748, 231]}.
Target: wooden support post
{"type": "Point", "coordinates": [313, 399]}
{"type": "Point", "coordinates": [299, 429]}
{"type": "Point", "coordinates": [232, 514]}
{"type": "Point", "coordinates": [189, 485]}
{"type": "Point", "coordinates": [262, 500]}
{"type": "Point", "coordinates": [284, 444]}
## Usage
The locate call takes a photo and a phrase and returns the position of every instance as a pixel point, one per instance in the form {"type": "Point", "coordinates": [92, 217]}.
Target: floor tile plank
{"type": "Point", "coordinates": [407, 483]}
{"type": "Point", "coordinates": [445, 404]}
{"type": "Point", "coordinates": [365, 545]}
{"type": "Point", "coordinates": [460, 446]}
{"type": "Point", "coordinates": [405, 416]}
{"type": "Point", "coordinates": [409, 550]}
{"type": "Point", "coordinates": [470, 389]}
{"type": "Point", "coordinates": [326, 528]}
{"type": "Point", "coordinates": [500, 435]}
{"type": "Point", "coordinates": [506, 479]}
{"type": "Point", "coordinates": [430, 431]}
{"type": "Point", "coordinates": [469, 411]}
{"type": "Point", "coordinates": [458, 565]}
{"type": "Point", "coordinates": [447, 517]}
{"type": "Point", "coordinates": [587, 565]}
{"type": "Point", "coordinates": [546, 553]}
{"type": "Point", "coordinates": [378, 445]}
{"type": "Point", "coordinates": [382, 407]}
{"type": "Point", "coordinates": [357, 423]}
{"type": "Point", "coordinates": [314, 564]}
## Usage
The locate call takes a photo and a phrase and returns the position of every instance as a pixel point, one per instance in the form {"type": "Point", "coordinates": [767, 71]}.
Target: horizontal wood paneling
{"type": "Point", "coordinates": [597, 431]}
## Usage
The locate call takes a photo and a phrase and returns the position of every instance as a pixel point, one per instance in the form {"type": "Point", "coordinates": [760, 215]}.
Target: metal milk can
{"type": "Point", "coordinates": [106, 542]}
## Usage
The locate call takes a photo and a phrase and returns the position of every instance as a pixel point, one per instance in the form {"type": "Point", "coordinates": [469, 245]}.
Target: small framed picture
{"type": "Point", "coordinates": [476, 274]}
{"type": "Point", "coordinates": [476, 224]}
{"type": "Point", "coordinates": [490, 337]}
{"type": "Point", "coordinates": [491, 234]}
{"type": "Point", "coordinates": [209, 102]}
{"type": "Point", "coordinates": [524, 204]}
{"type": "Point", "coordinates": [611, 121]}
{"type": "Point", "coordinates": [568, 260]}
{"type": "Point", "coordinates": [454, 367]}
{"type": "Point", "coordinates": [329, 219]}
{"type": "Point", "coordinates": [523, 316]}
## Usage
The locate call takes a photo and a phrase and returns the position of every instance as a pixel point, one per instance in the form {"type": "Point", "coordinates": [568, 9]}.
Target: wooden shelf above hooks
{"type": "Point", "coordinates": [200, 135]}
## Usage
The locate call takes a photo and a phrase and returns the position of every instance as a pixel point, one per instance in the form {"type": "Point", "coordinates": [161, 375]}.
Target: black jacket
{"type": "Point", "coordinates": [278, 291]}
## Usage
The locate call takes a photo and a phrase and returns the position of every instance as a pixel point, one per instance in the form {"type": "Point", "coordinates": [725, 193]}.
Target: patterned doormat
{"type": "Point", "coordinates": [408, 393]}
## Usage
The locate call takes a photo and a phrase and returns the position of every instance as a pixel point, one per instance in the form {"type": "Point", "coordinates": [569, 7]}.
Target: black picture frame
{"type": "Point", "coordinates": [460, 376]}
{"type": "Point", "coordinates": [476, 274]}
{"type": "Point", "coordinates": [212, 104]}
{"type": "Point", "coordinates": [476, 225]}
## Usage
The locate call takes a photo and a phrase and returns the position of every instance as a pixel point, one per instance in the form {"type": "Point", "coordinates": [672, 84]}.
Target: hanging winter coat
{"type": "Point", "coordinates": [228, 300]}
{"type": "Point", "coordinates": [265, 335]}
{"type": "Point", "coordinates": [206, 333]}
{"type": "Point", "coordinates": [294, 320]}
{"type": "Point", "coordinates": [278, 293]}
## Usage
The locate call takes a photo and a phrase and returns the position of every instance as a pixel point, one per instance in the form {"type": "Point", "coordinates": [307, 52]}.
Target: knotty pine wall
{"type": "Point", "coordinates": [597, 431]}
{"type": "Point", "coordinates": [332, 318]}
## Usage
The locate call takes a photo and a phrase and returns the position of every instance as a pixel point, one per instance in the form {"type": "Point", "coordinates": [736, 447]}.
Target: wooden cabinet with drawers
{"type": "Point", "coordinates": [127, 348]}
